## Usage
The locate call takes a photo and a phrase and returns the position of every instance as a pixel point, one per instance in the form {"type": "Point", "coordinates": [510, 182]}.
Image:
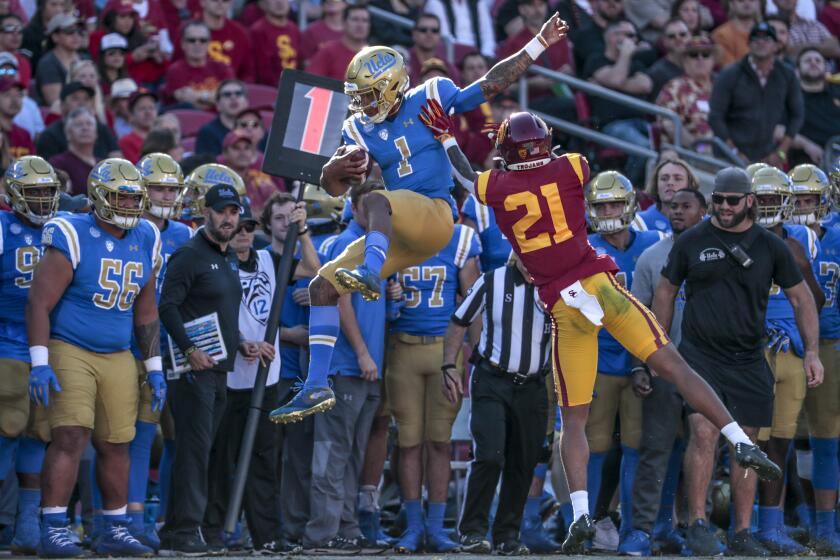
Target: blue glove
{"type": "Point", "coordinates": [157, 382]}
{"type": "Point", "coordinates": [41, 378]}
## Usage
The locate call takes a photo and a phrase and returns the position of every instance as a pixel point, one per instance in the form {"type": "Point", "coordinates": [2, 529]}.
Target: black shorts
{"type": "Point", "coordinates": [746, 389]}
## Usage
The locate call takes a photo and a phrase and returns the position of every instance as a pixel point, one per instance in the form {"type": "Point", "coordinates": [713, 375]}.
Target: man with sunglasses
{"type": "Point", "coordinates": [193, 81]}
{"type": "Point", "coordinates": [11, 39]}
{"type": "Point", "coordinates": [231, 99]}
{"type": "Point", "coordinates": [728, 264]}
{"type": "Point", "coordinates": [427, 41]}
{"type": "Point", "coordinates": [674, 40]}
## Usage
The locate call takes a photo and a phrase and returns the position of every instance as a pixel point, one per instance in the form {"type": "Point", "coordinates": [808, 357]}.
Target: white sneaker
{"type": "Point", "coordinates": [606, 535]}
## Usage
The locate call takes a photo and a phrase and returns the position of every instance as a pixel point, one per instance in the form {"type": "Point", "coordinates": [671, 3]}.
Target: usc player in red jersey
{"type": "Point", "coordinates": [538, 199]}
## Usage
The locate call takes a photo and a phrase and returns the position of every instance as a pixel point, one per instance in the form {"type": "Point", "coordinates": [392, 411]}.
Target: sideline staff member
{"type": "Point", "coordinates": [202, 277]}
{"type": "Point", "coordinates": [728, 264]}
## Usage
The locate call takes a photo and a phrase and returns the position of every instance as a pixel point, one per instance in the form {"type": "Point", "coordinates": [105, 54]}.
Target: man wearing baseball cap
{"type": "Point", "coordinates": [202, 279]}
{"type": "Point", "coordinates": [753, 96]}
{"type": "Point", "coordinates": [728, 264]}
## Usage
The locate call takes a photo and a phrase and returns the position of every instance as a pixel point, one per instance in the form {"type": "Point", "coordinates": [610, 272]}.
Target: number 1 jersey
{"type": "Point", "coordinates": [541, 212]}
{"type": "Point", "coordinates": [96, 311]}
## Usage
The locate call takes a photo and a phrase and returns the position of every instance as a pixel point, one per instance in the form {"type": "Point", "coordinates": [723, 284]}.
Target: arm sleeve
{"type": "Point", "coordinates": [451, 96]}
{"type": "Point", "coordinates": [472, 305]}
{"type": "Point", "coordinates": [719, 104]}
{"type": "Point", "coordinates": [176, 284]}
{"type": "Point", "coordinates": [795, 106]}
{"type": "Point", "coordinates": [676, 268]}
{"type": "Point", "coordinates": [786, 273]}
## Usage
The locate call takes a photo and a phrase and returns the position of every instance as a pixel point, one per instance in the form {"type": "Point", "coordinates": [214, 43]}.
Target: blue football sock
{"type": "Point", "coordinates": [413, 515]}
{"type": "Point", "coordinates": [140, 454]}
{"type": "Point", "coordinates": [30, 455]}
{"type": "Point", "coordinates": [593, 477]}
{"type": "Point", "coordinates": [669, 487]}
{"type": "Point", "coordinates": [769, 518]}
{"type": "Point", "coordinates": [568, 514]}
{"type": "Point", "coordinates": [323, 332]}
{"type": "Point", "coordinates": [29, 500]}
{"type": "Point", "coordinates": [95, 494]}
{"type": "Point", "coordinates": [824, 472]}
{"type": "Point", "coordinates": [825, 522]}
{"type": "Point", "coordinates": [165, 473]}
{"type": "Point", "coordinates": [434, 517]}
{"type": "Point", "coordinates": [540, 471]}
{"type": "Point", "coordinates": [376, 247]}
{"type": "Point", "coordinates": [629, 462]}
{"type": "Point", "coordinates": [135, 521]}
{"type": "Point", "coordinates": [7, 455]}
{"type": "Point", "coordinates": [532, 507]}
{"type": "Point", "coordinates": [56, 519]}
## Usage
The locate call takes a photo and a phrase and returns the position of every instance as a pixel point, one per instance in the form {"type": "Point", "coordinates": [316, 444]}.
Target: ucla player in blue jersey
{"type": "Point", "coordinates": [33, 190]}
{"type": "Point", "coordinates": [812, 204]}
{"type": "Point", "coordinates": [669, 177]}
{"type": "Point", "coordinates": [409, 222]}
{"type": "Point", "coordinates": [164, 184]}
{"type": "Point", "coordinates": [785, 350]}
{"type": "Point", "coordinates": [424, 415]}
{"type": "Point", "coordinates": [611, 206]}
{"type": "Point", "coordinates": [94, 288]}
{"type": "Point", "coordinates": [495, 248]}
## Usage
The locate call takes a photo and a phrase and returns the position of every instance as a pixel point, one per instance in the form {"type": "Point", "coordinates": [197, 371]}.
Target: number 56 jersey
{"type": "Point", "coordinates": [96, 310]}
{"type": "Point", "coordinates": [541, 212]}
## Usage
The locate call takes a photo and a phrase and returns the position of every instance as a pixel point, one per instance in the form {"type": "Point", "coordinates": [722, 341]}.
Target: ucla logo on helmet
{"type": "Point", "coordinates": [16, 171]}
{"type": "Point", "coordinates": [146, 168]}
{"type": "Point", "coordinates": [216, 176]}
{"type": "Point", "coordinates": [102, 173]}
{"type": "Point", "coordinates": [380, 63]}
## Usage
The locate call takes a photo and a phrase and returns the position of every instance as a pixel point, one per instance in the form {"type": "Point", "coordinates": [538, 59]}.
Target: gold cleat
{"type": "Point", "coordinates": [306, 403]}
{"type": "Point", "coordinates": [360, 280]}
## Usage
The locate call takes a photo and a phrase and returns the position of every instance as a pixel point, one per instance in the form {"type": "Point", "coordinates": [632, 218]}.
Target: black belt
{"type": "Point", "coordinates": [515, 377]}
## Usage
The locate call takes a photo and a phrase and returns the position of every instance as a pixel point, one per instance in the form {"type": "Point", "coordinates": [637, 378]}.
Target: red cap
{"type": "Point", "coordinates": [8, 82]}
{"type": "Point", "coordinates": [119, 6]}
{"type": "Point", "coordinates": [235, 136]}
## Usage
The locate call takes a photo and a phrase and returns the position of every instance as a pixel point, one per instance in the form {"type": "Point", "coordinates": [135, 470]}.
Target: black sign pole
{"type": "Point", "coordinates": [284, 268]}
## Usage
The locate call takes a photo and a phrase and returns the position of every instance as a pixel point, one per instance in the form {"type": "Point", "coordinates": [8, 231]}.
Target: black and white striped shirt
{"type": "Point", "coordinates": [516, 334]}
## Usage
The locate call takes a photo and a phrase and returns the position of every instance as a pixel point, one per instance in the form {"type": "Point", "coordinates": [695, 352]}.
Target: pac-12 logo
{"type": "Point", "coordinates": [380, 63]}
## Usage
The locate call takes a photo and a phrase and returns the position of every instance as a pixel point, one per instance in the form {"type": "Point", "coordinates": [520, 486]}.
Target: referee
{"type": "Point", "coordinates": [509, 401]}
{"type": "Point", "coordinates": [202, 277]}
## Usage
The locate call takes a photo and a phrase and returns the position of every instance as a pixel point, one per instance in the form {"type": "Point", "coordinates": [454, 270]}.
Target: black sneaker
{"type": "Point", "coordinates": [183, 544]}
{"type": "Point", "coordinates": [512, 548]}
{"type": "Point", "coordinates": [338, 546]}
{"type": "Point", "coordinates": [215, 543]}
{"type": "Point", "coordinates": [580, 531]}
{"type": "Point", "coordinates": [752, 457]}
{"type": "Point", "coordinates": [475, 544]}
{"type": "Point", "coordinates": [701, 541]}
{"type": "Point", "coordinates": [743, 543]}
{"type": "Point", "coordinates": [279, 547]}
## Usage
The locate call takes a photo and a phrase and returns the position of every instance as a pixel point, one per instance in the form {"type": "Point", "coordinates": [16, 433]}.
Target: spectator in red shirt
{"type": "Point", "coordinates": [830, 17]}
{"type": "Point", "coordinates": [11, 101]}
{"type": "Point", "coordinates": [78, 160]}
{"type": "Point", "coordinates": [427, 45]}
{"type": "Point", "coordinates": [111, 63]}
{"type": "Point", "coordinates": [332, 60]}
{"type": "Point", "coordinates": [240, 154]}
{"type": "Point", "coordinates": [229, 42]}
{"type": "Point", "coordinates": [142, 106]}
{"type": "Point", "coordinates": [276, 42]}
{"type": "Point", "coordinates": [193, 81]}
{"type": "Point", "coordinates": [329, 28]}
{"type": "Point", "coordinates": [11, 39]}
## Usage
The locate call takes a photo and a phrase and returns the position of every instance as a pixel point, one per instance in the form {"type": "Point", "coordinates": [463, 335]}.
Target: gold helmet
{"type": "Point", "coordinates": [834, 176]}
{"type": "Point", "coordinates": [809, 179]}
{"type": "Point", "coordinates": [205, 176]}
{"type": "Point", "coordinates": [161, 170]}
{"type": "Point", "coordinates": [610, 186]}
{"type": "Point", "coordinates": [753, 168]}
{"type": "Point", "coordinates": [320, 205]}
{"type": "Point", "coordinates": [376, 79]}
{"type": "Point", "coordinates": [26, 181]}
{"type": "Point", "coordinates": [108, 182]}
{"type": "Point", "coordinates": [773, 196]}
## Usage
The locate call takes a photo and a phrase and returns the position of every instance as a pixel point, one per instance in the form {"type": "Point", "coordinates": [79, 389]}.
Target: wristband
{"type": "Point", "coordinates": [445, 367]}
{"type": "Point", "coordinates": [637, 368]}
{"type": "Point", "coordinates": [448, 141]}
{"type": "Point", "coordinates": [304, 231]}
{"type": "Point", "coordinates": [189, 351]}
{"type": "Point", "coordinates": [39, 355]}
{"type": "Point", "coordinates": [535, 47]}
{"type": "Point", "coordinates": [154, 363]}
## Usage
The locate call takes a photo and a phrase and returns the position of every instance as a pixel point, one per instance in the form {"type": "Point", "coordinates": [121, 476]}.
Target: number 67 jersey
{"type": "Point", "coordinates": [96, 310]}
{"type": "Point", "coordinates": [541, 212]}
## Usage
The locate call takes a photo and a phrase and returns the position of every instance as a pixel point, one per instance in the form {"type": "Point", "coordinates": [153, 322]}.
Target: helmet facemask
{"type": "Point", "coordinates": [382, 96]}
{"type": "Point", "coordinates": [107, 205]}
{"type": "Point", "coordinates": [774, 208]}
{"type": "Point", "coordinates": [613, 224]}
{"type": "Point", "coordinates": [37, 203]}
{"type": "Point", "coordinates": [165, 209]}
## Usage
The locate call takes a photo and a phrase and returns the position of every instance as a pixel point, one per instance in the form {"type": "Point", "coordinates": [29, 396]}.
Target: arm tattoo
{"type": "Point", "coordinates": [504, 73]}
{"type": "Point", "coordinates": [461, 168]}
{"type": "Point", "coordinates": [148, 339]}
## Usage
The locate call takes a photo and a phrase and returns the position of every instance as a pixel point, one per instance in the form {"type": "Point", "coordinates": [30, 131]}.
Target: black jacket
{"type": "Point", "coordinates": [201, 279]}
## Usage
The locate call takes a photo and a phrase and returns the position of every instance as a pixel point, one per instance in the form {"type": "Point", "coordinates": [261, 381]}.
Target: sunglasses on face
{"type": "Point", "coordinates": [629, 34]}
{"type": "Point", "coordinates": [248, 124]}
{"type": "Point", "coordinates": [11, 29]}
{"type": "Point", "coordinates": [681, 35]}
{"type": "Point", "coordinates": [71, 31]}
{"type": "Point", "coordinates": [232, 93]}
{"type": "Point", "coordinates": [731, 199]}
{"type": "Point", "coordinates": [434, 30]}
{"type": "Point", "coordinates": [247, 227]}
{"type": "Point", "coordinates": [196, 40]}
{"type": "Point", "coordinates": [699, 55]}
{"type": "Point", "coordinates": [8, 71]}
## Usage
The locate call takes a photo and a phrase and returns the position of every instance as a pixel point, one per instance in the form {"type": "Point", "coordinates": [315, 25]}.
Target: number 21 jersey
{"type": "Point", "coordinates": [541, 212]}
{"type": "Point", "coordinates": [96, 311]}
